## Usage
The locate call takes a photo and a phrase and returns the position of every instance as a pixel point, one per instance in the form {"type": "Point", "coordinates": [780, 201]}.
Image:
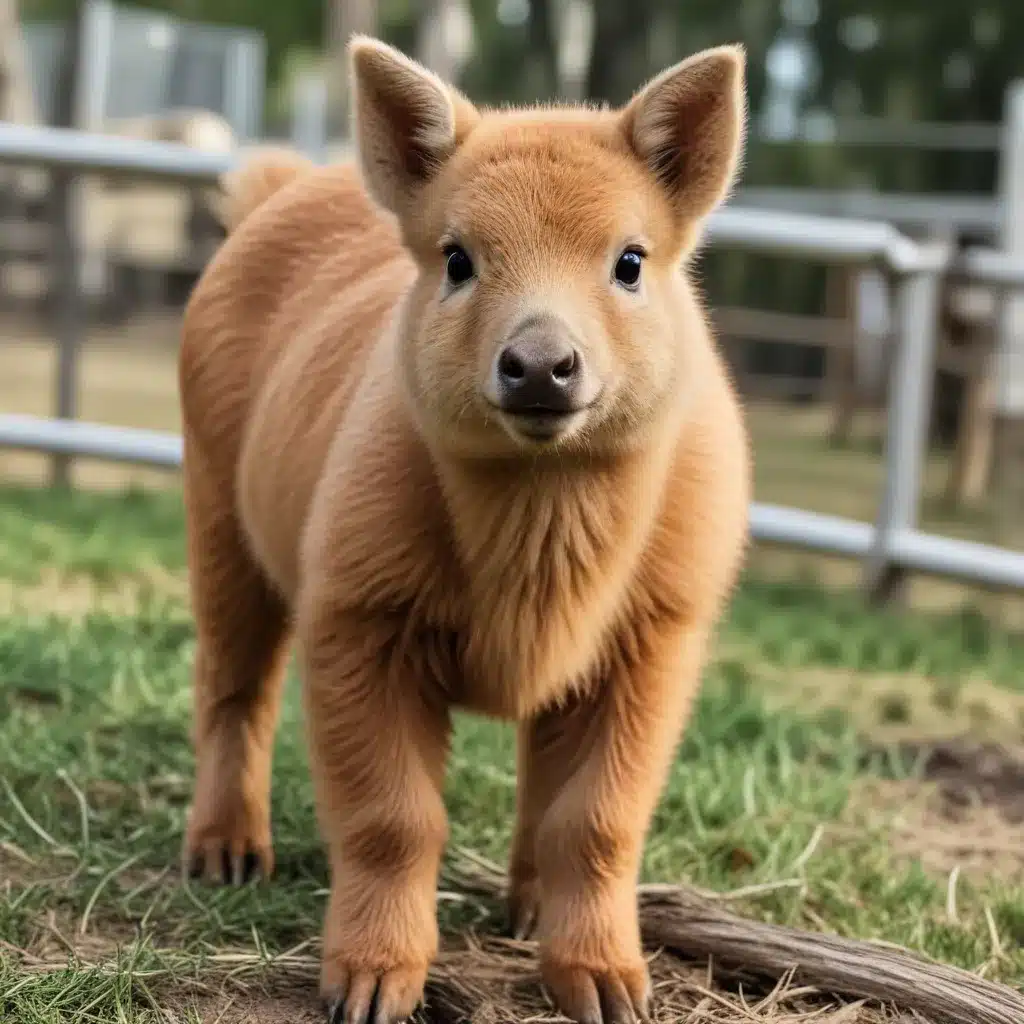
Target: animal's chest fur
{"type": "Point", "coordinates": [548, 572]}
{"type": "Point", "coordinates": [507, 584]}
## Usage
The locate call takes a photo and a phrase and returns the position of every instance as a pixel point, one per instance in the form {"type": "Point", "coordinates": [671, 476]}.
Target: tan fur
{"type": "Point", "coordinates": [350, 482]}
{"type": "Point", "coordinates": [246, 188]}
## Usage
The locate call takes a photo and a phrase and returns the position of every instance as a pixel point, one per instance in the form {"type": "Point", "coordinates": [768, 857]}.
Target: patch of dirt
{"type": "Point", "coordinates": [491, 980]}
{"type": "Point", "coordinates": [251, 1008]}
{"type": "Point", "coordinates": [707, 964]}
{"type": "Point", "coordinates": [55, 936]}
{"type": "Point", "coordinates": [964, 813]}
{"type": "Point", "coordinates": [485, 979]}
{"type": "Point", "coordinates": [970, 773]}
{"type": "Point", "coordinates": [19, 870]}
{"type": "Point", "coordinates": [921, 823]}
{"type": "Point", "coordinates": [494, 981]}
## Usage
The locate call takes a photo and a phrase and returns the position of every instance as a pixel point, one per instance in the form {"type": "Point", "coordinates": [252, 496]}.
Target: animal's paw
{"type": "Point", "coordinates": [228, 841]}
{"type": "Point", "coordinates": [353, 995]}
{"type": "Point", "coordinates": [612, 995]}
{"type": "Point", "coordinates": [229, 862]}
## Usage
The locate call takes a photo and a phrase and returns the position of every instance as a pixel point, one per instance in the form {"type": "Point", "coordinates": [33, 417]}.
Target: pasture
{"type": "Point", "coordinates": [833, 778]}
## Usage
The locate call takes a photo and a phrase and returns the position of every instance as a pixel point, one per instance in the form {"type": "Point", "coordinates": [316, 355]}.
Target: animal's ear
{"type": "Point", "coordinates": [688, 125]}
{"type": "Point", "coordinates": [407, 122]}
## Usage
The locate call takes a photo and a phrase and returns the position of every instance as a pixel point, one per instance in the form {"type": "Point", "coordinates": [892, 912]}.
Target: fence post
{"type": "Point", "coordinates": [911, 384]}
{"type": "Point", "coordinates": [94, 36]}
{"type": "Point", "coordinates": [841, 305]}
{"type": "Point", "coordinates": [81, 102]}
{"type": "Point", "coordinates": [244, 80]}
{"type": "Point", "coordinates": [1009, 359]}
{"type": "Point", "coordinates": [65, 290]}
{"type": "Point", "coordinates": [309, 114]}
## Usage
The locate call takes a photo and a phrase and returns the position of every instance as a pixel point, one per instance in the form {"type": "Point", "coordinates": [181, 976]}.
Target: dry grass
{"type": "Point", "coordinates": [483, 980]}
{"type": "Point", "coordinates": [707, 964]}
{"type": "Point", "coordinates": [72, 597]}
{"type": "Point", "coordinates": [900, 707]}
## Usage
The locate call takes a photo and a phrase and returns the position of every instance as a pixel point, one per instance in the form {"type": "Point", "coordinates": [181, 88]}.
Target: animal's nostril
{"type": "Point", "coordinates": [563, 370]}
{"type": "Point", "coordinates": [510, 366]}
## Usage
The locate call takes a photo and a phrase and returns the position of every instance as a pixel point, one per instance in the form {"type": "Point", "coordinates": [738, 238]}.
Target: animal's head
{"type": "Point", "coordinates": [552, 308]}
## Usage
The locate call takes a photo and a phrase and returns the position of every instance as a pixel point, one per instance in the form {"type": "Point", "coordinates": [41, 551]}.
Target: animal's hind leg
{"type": "Point", "coordinates": [241, 657]}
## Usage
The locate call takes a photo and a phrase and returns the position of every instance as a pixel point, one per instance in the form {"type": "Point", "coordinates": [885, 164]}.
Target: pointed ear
{"type": "Point", "coordinates": [406, 121]}
{"type": "Point", "coordinates": [688, 125]}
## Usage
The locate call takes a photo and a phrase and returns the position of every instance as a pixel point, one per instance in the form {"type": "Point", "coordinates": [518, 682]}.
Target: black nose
{"type": "Point", "coordinates": [539, 374]}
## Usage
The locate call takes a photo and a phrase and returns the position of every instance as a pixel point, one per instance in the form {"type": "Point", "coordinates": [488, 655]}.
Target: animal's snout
{"type": "Point", "coordinates": [540, 371]}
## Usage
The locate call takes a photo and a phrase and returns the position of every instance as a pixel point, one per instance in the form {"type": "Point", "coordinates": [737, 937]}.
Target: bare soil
{"type": "Point", "coordinates": [971, 775]}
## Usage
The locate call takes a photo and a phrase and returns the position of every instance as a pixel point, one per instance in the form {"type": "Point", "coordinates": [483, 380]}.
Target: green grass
{"type": "Point", "coordinates": [95, 774]}
{"type": "Point", "coordinates": [99, 535]}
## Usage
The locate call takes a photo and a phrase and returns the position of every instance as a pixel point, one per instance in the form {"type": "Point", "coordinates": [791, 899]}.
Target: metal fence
{"type": "Point", "coordinates": [890, 548]}
{"type": "Point", "coordinates": [137, 62]}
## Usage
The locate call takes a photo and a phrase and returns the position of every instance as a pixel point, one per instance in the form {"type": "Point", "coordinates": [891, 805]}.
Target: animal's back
{"type": "Point", "coordinates": [276, 339]}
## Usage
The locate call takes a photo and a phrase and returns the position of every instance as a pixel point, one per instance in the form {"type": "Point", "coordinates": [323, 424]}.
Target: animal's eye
{"type": "Point", "coordinates": [458, 265]}
{"type": "Point", "coordinates": [627, 269]}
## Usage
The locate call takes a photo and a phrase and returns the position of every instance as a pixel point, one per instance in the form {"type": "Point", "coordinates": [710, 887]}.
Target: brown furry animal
{"type": "Point", "coordinates": [464, 434]}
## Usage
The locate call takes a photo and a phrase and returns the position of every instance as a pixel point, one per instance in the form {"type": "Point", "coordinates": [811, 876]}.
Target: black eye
{"type": "Point", "coordinates": [459, 266]}
{"type": "Point", "coordinates": [627, 269]}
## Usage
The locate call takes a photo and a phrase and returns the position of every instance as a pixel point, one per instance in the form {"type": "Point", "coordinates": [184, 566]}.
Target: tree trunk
{"type": "Point", "coordinates": [620, 56]}
{"type": "Point", "coordinates": [543, 37]}
{"type": "Point", "coordinates": [436, 47]}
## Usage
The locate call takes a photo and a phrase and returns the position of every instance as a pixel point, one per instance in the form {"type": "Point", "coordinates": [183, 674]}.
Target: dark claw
{"type": "Point", "coordinates": [334, 1011]}
{"type": "Point", "coordinates": [251, 866]}
{"type": "Point", "coordinates": [195, 866]}
{"type": "Point", "coordinates": [366, 1001]}
{"type": "Point", "coordinates": [245, 868]}
{"type": "Point", "coordinates": [372, 1015]}
{"type": "Point", "coordinates": [523, 923]}
{"type": "Point", "coordinates": [233, 870]}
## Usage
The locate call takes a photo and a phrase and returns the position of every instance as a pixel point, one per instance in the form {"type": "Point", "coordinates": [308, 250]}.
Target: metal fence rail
{"type": "Point", "coordinates": [926, 213]}
{"type": "Point", "coordinates": [890, 548]}
{"type": "Point", "coordinates": [111, 155]}
{"type": "Point", "coordinates": [72, 438]}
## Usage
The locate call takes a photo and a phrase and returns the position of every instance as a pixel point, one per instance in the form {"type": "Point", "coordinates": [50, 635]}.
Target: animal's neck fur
{"type": "Point", "coordinates": [549, 549]}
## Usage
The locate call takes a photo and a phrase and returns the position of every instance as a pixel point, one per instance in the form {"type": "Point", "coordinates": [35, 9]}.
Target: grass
{"type": "Point", "coordinates": [765, 801]}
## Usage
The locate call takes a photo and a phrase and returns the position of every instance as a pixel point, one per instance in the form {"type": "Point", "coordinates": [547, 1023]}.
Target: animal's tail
{"type": "Point", "coordinates": [249, 186]}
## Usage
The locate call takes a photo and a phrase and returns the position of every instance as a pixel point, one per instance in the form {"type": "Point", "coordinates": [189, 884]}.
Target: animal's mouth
{"type": "Point", "coordinates": [542, 425]}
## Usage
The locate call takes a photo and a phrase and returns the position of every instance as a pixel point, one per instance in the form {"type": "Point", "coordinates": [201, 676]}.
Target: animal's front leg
{"type": "Point", "coordinates": [603, 764]}
{"type": "Point", "coordinates": [378, 748]}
